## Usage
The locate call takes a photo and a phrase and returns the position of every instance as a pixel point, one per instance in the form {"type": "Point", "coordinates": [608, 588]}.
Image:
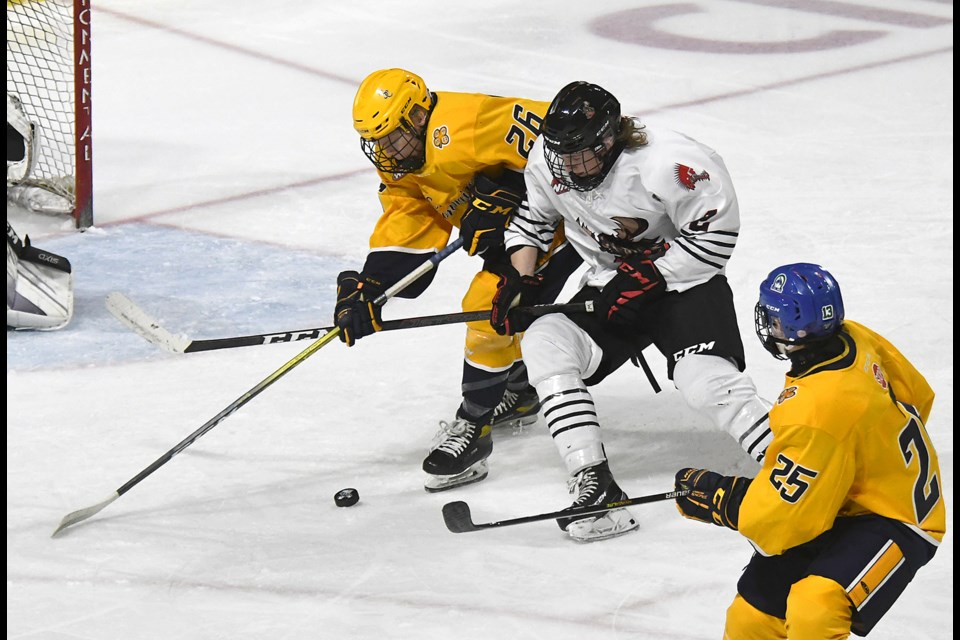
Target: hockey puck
{"type": "Point", "coordinates": [346, 497]}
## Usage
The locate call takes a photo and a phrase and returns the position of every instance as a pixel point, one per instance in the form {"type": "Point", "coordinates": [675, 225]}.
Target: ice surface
{"type": "Point", "coordinates": [229, 191]}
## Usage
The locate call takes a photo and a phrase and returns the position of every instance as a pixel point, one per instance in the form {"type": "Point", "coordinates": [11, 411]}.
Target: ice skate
{"type": "Point", "coordinates": [458, 455]}
{"type": "Point", "coordinates": [517, 409]}
{"type": "Point", "coordinates": [595, 486]}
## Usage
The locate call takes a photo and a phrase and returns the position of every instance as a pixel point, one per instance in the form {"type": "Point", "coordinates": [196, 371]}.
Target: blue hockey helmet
{"type": "Point", "coordinates": [799, 304]}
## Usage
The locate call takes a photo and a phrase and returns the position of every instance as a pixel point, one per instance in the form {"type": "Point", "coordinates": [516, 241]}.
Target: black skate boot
{"type": "Point", "coordinates": [458, 455]}
{"type": "Point", "coordinates": [517, 409]}
{"type": "Point", "coordinates": [595, 486]}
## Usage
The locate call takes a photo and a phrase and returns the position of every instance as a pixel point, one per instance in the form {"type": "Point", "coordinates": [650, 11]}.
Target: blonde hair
{"type": "Point", "coordinates": [632, 133]}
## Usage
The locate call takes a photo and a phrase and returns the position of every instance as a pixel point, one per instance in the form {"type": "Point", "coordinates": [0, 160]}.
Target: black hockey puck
{"type": "Point", "coordinates": [346, 497]}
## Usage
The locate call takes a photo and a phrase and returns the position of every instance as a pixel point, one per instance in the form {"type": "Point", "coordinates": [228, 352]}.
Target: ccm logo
{"type": "Point", "coordinates": [697, 348]}
{"type": "Point", "coordinates": [291, 336]}
{"type": "Point", "coordinates": [483, 205]}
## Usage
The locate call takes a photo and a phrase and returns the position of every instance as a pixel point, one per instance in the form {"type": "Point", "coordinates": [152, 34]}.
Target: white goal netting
{"type": "Point", "coordinates": [48, 71]}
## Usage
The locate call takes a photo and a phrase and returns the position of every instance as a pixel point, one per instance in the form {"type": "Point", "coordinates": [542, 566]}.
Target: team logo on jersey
{"type": "Point", "coordinates": [623, 242]}
{"type": "Point", "coordinates": [878, 374]}
{"type": "Point", "coordinates": [440, 137]}
{"type": "Point", "coordinates": [687, 177]}
{"type": "Point", "coordinates": [786, 394]}
{"type": "Point", "coordinates": [558, 187]}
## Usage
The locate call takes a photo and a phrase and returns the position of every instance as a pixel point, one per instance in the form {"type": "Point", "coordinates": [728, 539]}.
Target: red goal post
{"type": "Point", "coordinates": [49, 72]}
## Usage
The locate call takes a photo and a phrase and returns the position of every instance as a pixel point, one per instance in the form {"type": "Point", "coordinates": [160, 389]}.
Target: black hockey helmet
{"type": "Point", "coordinates": [579, 134]}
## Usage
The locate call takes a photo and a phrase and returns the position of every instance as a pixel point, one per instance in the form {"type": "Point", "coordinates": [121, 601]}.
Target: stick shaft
{"type": "Point", "coordinates": [457, 517]}
{"type": "Point", "coordinates": [212, 344]}
{"type": "Point", "coordinates": [230, 409]}
{"type": "Point", "coordinates": [83, 514]}
{"type": "Point", "coordinates": [286, 368]}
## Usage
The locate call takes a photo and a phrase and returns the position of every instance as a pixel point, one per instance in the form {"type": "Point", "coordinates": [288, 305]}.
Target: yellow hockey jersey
{"type": "Point", "coordinates": [849, 439]}
{"type": "Point", "coordinates": [467, 134]}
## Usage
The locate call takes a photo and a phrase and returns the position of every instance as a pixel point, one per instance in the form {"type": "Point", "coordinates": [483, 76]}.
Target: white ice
{"type": "Point", "coordinates": [229, 191]}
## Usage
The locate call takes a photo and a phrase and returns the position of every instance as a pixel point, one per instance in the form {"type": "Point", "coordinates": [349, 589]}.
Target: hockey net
{"type": "Point", "coordinates": [48, 71]}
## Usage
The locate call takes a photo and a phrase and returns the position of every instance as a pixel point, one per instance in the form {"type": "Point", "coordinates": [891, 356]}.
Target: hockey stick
{"type": "Point", "coordinates": [127, 312]}
{"type": "Point", "coordinates": [82, 514]}
{"type": "Point", "coordinates": [456, 515]}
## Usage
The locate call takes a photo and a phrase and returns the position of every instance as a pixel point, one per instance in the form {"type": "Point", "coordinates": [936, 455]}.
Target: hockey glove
{"type": "Point", "coordinates": [355, 313]}
{"type": "Point", "coordinates": [512, 290]}
{"type": "Point", "coordinates": [637, 283]}
{"type": "Point", "coordinates": [712, 498]}
{"type": "Point", "coordinates": [487, 216]}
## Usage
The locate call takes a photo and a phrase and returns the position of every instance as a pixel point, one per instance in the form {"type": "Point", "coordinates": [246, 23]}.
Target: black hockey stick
{"type": "Point", "coordinates": [456, 515]}
{"type": "Point", "coordinates": [82, 514]}
{"type": "Point", "coordinates": [127, 312]}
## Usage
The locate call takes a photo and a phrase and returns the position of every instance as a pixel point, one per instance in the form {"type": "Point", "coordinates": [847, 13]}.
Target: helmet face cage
{"type": "Point", "coordinates": [581, 170]}
{"type": "Point", "coordinates": [799, 304]}
{"type": "Point", "coordinates": [383, 112]}
{"type": "Point", "coordinates": [579, 131]}
{"type": "Point", "coordinates": [767, 326]}
{"type": "Point", "coordinates": [403, 150]}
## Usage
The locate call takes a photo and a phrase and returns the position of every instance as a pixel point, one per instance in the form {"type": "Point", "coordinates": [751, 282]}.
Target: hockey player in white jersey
{"type": "Point", "coordinates": [654, 215]}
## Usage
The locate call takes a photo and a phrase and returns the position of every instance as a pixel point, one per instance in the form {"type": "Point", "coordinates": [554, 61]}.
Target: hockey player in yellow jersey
{"type": "Point", "coordinates": [848, 504]}
{"type": "Point", "coordinates": [450, 160]}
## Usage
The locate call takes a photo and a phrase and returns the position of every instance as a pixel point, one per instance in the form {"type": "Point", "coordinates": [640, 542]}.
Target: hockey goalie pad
{"type": "Point", "coordinates": [48, 196]}
{"type": "Point", "coordinates": [52, 195]}
{"type": "Point", "coordinates": [39, 286]}
{"type": "Point", "coordinates": [21, 142]}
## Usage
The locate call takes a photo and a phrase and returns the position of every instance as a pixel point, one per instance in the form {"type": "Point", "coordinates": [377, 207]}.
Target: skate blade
{"type": "Point", "coordinates": [516, 424]}
{"type": "Point", "coordinates": [610, 525]}
{"type": "Point", "coordinates": [476, 473]}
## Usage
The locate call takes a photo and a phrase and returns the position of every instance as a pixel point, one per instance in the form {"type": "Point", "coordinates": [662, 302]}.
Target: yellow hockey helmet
{"type": "Point", "coordinates": [383, 105]}
{"type": "Point", "coordinates": [384, 101]}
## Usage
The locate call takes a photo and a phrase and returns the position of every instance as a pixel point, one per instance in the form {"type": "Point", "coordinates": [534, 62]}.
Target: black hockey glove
{"type": "Point", "coordinates": [637, 283]}
{"type": "Point", "coordinates": [713, 497]}
{"type": "Point", "coordinates": [355, 313]}
{"type": "Point", "coordinates": [487, 216]}
{"type": "Point", "coordinates": [513, 290]}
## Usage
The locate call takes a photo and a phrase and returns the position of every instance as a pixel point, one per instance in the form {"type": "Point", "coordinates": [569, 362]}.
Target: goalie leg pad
{"type": "Point", "coordinates": [39, 287]}
{"type": "Point", "coordinates": [21, 157]}
{"type": "Point", "coordinates": [45, 258]}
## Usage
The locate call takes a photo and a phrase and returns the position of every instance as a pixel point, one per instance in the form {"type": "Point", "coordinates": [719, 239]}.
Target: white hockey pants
{"type": "Point", "coordinates": [560, 355]}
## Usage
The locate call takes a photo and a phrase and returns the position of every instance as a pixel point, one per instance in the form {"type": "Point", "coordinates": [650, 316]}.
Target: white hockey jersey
{"type": "Point", "coordinates": [672, 189]}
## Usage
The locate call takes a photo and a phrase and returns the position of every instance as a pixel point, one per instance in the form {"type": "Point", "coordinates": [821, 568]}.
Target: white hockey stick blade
{"type": "Point", "coordinates": [82, 514]}
{"type": "Point", "coordinates": [126, 311]}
